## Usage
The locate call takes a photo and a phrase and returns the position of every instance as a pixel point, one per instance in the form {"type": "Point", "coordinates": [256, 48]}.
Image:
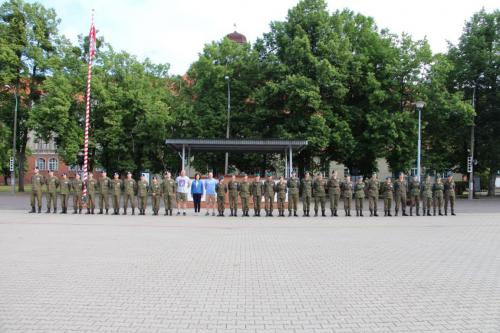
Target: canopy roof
{"type": "Point", "coordinates": [236, 145]}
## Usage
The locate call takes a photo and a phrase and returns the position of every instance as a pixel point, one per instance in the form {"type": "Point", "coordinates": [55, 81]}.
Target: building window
{"type": "Point", "coordinates": [53, 165]}
{"type": "Point", "coordinates": [40, 163]}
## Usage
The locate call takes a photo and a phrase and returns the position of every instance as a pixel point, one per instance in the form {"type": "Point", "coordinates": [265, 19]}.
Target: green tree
{"type": "Point", "coordinates": [27, 35]}
{"type": "Point", "coordinates": [476, 61]}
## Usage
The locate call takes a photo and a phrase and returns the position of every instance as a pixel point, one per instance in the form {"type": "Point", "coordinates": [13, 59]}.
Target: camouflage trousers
{"type": "Point", "coordinates": [306, 203]}
{"type": "Point", "coordinates": [449, 198]}
{"type": "Point", "coordinates": [438, 201]}
{"type": "Point", "coordinates": [268, 202]}
{"type": "Point", "coordinates": [90, 200]}
{"type": "Point", "coordinates": [334, 200]}
{"type": "Point", "coordinates": [36, 195]}
{"type": "Point", "coordinates": [256, 203]}
{"type": "Point", "coordinates": [415, 201]}
{"type": "Point", "coordinates": [244, 203]}
{"type": "Point", "coordinates": [359, 203]}
{"type": "Point", "coordinates": [116, 201]}
{"type": "Point", "coordinates": [51, 198]}
{"type": "Point", "coordinates": [155, 202]}
{"type": "Point", "coordinates": [142, 201]}
{"type": "Point", "coordinates": [77, 201]}
{"type": "Point", "coordinates": [64, 201]}
{"type": "Point", "coordinates": [347, 202]}
{"type": "Point", "coordinates": [233, 201]}
{"type": "Point", "coordinates": [281, 203]}
{"type": "Point", "coordinates": [169, 200]}
{"type": "Point", "coordinates": [427, 203]}
{"type": "Point", "coordinates": [387, 204]}
{"type": "Point", "coordinates": [126, 198]}
{"type": "Point", "coordinates": [104, 201]}
{"type": "Point", "coordinates": [221, 203]}
{"type": "Point", "coordinates": [293, 201]}
{"type": "Point", "coordinates": [373, 202]}
{"type": "Point", "coordinates": [400, 201]}
{"type": "Point", "coordinates": [319, 200]}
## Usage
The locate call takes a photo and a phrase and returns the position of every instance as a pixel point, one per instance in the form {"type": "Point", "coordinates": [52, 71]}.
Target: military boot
{"type": "Point", "coordinates": [404, 212]}
{"type": "Point", "coordinates": [106, 211]}
{"type": "Point", "coordinates": [100, 211]}
{"type": "Point", "coordinates": [389, 213]}
{"type": "Point", "coordinates": [171, 212]}
{"type": "Point", "coordinates": [396, 213]}
{"type": "Point", "coordinates": [440, 213]}
{"type": "Point", "coordinates": [375, 213]}
{"type": "Point", "coordinates": [335, 213]}
{"type": "Point", "coordinates": [429, 212]}
{"type": "Point", "coordinates": [124, 211]}
{"type": "Point", "coordinates": [48, 210]}
{"type": "Point", "coordinates": [39, 210]}
{"type": "Point", "coordinates": [33, 209]}
{"type": "Point", "coordinates": [79, 211]}
{"type": "Point", "coordinates": [357, 212]}
{"type": "Point", "coordinates": [295, 213]}
{"type": "Point", "coordinates": [371, 212]}
{"type": "Point", "coordinates": [133, 211]}
{"type": "Point", "coordinates": [417, 211]}
{"type": "Point", "coordinates": [446, 211]}
{"type": "Point", "coordinates": [360, 212]}
{"type": "Point", "coordinates": [74, 211]}
{"type": "Point", "coordinates": [385, 212]}
{"type": "Point", "coordinates": [331, 212]}
{"type": "Point", "coordinates": [453, 211]}
{"type": "Point", "coordinates": [411, 211]}
{"type": "Point", "coordinates": [434, 212]}
{"type": "Point", "coordinates": [315, 212]}
{"type": "Point", "coordinates": [88, 211]}
{"type": "Point", "coordinates": [323, 213]}
{"type": "Point", "coordinates": [92, 211]}
{"type": "Point", "coordinates": [55, 210]}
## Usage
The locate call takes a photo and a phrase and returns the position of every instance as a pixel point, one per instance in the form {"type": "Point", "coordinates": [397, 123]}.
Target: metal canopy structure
{"type": "Point", "coordinates": [238, 145]}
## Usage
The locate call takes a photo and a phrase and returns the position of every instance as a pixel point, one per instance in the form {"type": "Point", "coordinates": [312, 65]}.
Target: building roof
{"type": "Point", "coordinates": [235, 145]}
{"type": "Point", "coordinates": [237, 37]}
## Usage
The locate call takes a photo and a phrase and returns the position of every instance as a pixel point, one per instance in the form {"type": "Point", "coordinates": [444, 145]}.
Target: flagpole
{"type": "Point", "coordinates": [87, 111]}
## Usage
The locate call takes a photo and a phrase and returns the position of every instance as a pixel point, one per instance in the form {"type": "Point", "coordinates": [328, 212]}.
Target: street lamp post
{"type": "Point", "coordinates": [420, 105]}
{"type": "Point", "coordinates": [471, 164]}
{"type": "Point", "coordinates": [13, 172]}
{"type": "Point", "coordinates": [228, 119]}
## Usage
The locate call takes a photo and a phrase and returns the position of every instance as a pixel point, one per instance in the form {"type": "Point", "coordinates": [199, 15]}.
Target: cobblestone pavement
{"type": "Point", "coordinates": [205, 274]}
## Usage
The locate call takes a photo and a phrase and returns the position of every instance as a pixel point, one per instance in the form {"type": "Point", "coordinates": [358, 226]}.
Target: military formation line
{"type": "Point", "coordinates": [421, 197]}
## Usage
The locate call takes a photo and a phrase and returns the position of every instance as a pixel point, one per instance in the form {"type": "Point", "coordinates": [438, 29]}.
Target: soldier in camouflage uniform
{"type": "Point", "coordinates": [52, 183]}
{"type": "Point", "coordinates": [306, 185]}
{"type": "Point", "coordinates": [415, 196]}
{"type": "Point", "coordinates": [319, 194]}
{"type": "Point", "coordinates": [426, 192]}
{"type": "Point", "coordinates": [388, 193]}
{"type": "Point", "coordinates": [257, 191]}
{"type": "Point", "coordinates": [449, 195]}
{"type": "Point", "coordinates": [129, 189]}
{"type": "Point", "coordinates": [293, 185]}
{"type": "Point", "coordinates": [373, 187]}
{"type": "Point", "coordinates": [142, 194]}
{"type": "Point", "coordinates": [269, 194]}
{"type": "Point", "coordinates": [280, 189]}
{"type": "Point", "coordinates": [116, 190]}
{"type": "Point", "coordinates": [36, 190]}
{"type": "Point", "coordinates": [244, 194]}
{"type": "Point", "coordinates": [77, 187]}
{"type": "Point", "coordinates": [221, 190]}
{"type": "Point", "coordinates": [233, 187]}
{"type": "Point", "coordinates": [437, 191]}
{"type": "Point", "coordinates": [333, 192]}
{"type": "Point", "coordinates": [104, 185]}
{"type": "Point", "coordinates": [400, 191]}
{"type": "Point", "coordinates": [155, 190]}
{"type": "Point", "coordinates": [169, 190]}
{"type": "Point", "coordinates": [359, 196]}
{"type": "Point", "coordinates": [64, 190]}
{"type": "Point", "coordinates": [347, 188]}
{"type": "Point", "coordinates": [92, 186]}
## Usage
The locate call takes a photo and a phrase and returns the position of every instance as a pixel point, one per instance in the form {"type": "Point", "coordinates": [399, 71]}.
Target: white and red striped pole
{"type": "Point", "coordinates": [92, 37]}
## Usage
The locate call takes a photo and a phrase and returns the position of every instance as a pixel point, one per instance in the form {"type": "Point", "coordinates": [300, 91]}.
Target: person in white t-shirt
{"type": "Point", "coordinates": [183, 185]}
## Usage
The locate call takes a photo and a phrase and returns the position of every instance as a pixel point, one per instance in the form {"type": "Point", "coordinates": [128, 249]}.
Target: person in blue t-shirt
{"type": "Point", "coordinates": [211, 196]}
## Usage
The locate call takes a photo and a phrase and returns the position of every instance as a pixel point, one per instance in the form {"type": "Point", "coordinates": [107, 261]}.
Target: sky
{"type": "Point", "coordinates": [175, 31]}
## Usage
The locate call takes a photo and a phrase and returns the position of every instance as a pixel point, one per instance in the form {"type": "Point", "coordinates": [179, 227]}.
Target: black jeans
{"type": "Point", "coordinates": [197, 202]}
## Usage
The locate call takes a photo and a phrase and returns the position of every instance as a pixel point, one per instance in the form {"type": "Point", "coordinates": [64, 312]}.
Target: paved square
{"type": "Point", "coordinates": [205, 274]}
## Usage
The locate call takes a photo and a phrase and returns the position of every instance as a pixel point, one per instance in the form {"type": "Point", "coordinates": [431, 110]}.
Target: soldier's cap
{"type": "Point", "coordinates": [36, 168]}
{"type": "Point", "coordinates": [116, 174]}
{"type": "Point", "coordinates": [257, 174]}
{"type": "Point", "coordinates": [269, 174]}
{"type": "Point", "coordinates": [450, 174]}
{"type": "Point", "coordinates": [103, 171]}
{"type": "Point", "coordinates": [401, 174]}
{"type": "Point", "coordinates": [64, 174]}
{"type": "Point", "coordinates": [221, 178]}
{"type": "Point", "coordinates": [129, 173]}
{"type": "Point", "coordinates": [243, 174]}
{"type": "Point", "coordinates": [387, 177]}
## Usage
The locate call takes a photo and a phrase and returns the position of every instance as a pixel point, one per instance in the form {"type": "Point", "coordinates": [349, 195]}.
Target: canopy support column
{"type": "Point", "coordinates": [290, 161]}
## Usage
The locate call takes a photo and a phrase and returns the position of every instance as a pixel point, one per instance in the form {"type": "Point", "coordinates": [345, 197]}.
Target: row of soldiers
{"type": "Point", "coordinates": [106, 188]}
{"type": "Point", "coordinates": [313, 190]}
